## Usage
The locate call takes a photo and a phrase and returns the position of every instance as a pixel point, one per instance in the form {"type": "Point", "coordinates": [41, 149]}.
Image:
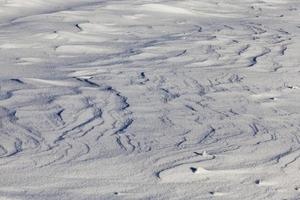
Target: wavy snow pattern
{"type": "Point", "coordinates": [135, 99]}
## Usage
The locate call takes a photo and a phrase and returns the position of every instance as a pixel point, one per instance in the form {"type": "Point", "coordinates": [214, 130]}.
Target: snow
{"type": "Point", "coordinates": [149, 99]}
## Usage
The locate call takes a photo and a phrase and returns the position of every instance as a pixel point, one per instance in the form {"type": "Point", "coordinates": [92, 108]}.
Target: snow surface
{"type": "Point", "coordinates": [149, 99]}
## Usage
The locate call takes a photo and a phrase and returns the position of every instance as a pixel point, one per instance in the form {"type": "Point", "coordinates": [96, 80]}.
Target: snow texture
{"type": "Point", "coordinates": [149, 99]}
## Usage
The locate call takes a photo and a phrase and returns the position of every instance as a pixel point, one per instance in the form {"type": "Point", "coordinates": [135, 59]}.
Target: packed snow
{"type": "Point", "coordinates": [149, 99]}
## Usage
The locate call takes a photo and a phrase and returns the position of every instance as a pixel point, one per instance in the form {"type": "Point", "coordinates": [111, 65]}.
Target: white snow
{"type": "Point", "coordinates": [149, 99]}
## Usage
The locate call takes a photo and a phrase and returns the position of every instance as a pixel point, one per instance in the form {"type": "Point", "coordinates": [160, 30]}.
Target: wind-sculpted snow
{"type": "Point", "coordinates": [149, 99]}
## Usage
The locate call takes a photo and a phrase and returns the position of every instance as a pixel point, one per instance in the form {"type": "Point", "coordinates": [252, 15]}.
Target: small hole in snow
{"type": "Point", "coordinates": [193, 169]}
